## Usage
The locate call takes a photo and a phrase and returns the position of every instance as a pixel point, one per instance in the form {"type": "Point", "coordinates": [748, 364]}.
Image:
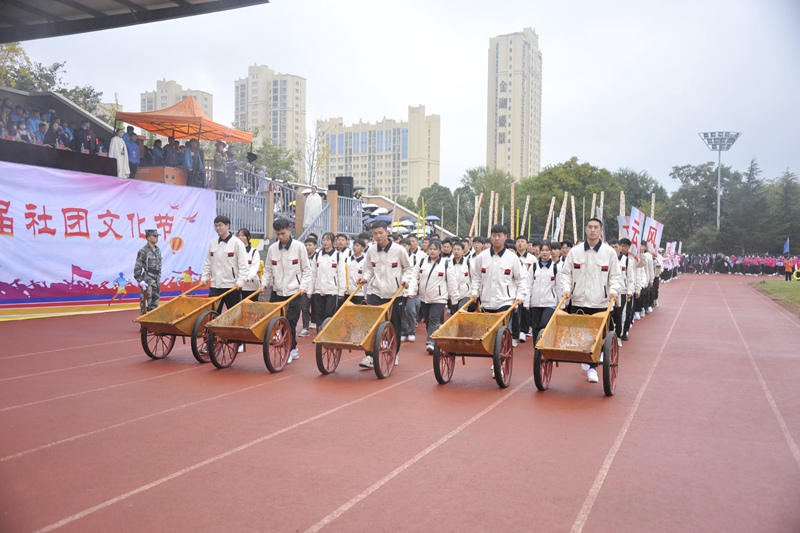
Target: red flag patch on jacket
{"type": "Point", "coordinates": [507, 272]}
{"type": "Point", "coordinates": [394, 265]}
{"type": "Point", "coordinates": [230, 254]}
{"type": "Point", "coordinates": [274, 262]}
{"type": "Point", "coordinates": [604, 268]}
{"type": "Point", "coordinates": [440, 274]}
{"type": "Point", "coordinates": [294, 261]}
{"type": "Point", "coordinates": [576, 265]}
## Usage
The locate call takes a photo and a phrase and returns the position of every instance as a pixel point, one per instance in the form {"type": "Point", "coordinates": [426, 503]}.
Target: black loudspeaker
{"type": "Point", "coordinates": [347, 184]}
{"type": "Point", "coordinates": [336, 187]}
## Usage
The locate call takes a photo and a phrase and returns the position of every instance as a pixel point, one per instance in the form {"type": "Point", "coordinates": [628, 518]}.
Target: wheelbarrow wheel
{"type": "Point", "coordinates": [327, 358]}
{"type": "Point", "coordinates": [443, 365]}
{"type": "Point", "coordinates": [503, 357]}
{"type": "Point", "coordinates": [610, 364]}
{"type": "Point", "coordinates": [221, 352]}
{"type": "Point", "coordinates": [277, 344]}
{"type": "Point", "coordinates": [384, 350]}
{"type": "Point", "coordinates": [157, 345]}
{"type": "Point", "coordinates": [200, 336]}
{"type": "Point", "coordinates": [542, 368]}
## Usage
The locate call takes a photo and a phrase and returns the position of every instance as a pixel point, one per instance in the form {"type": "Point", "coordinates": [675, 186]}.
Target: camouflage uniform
{"type": "Point", "coordinates": [148, 269]}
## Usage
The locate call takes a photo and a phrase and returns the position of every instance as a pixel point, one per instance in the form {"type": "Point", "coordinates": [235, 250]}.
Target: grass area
{"type": "Point", "coordinates": [785, 293]}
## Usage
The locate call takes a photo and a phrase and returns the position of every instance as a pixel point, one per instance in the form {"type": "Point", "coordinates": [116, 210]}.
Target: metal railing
{"type": "Point", "coordinates": [321, 224]}
{"type": "Point", "coordinates": [244, 210]}
{"type": "Point", "coordinates": [350, 216]}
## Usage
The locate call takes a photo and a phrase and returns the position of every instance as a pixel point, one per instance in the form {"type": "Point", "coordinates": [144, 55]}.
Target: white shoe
{"type": "Point", "coordinates": [396, 360]}
{"type": "Point", "coordinates": [521, 337]}
{"type": "Point", "coordinates": [313, 325]}
{"type": "Point", "coordinates": [203, 350]}
{"type": "Point", "coordinates": [412, 338]}
{"type": "Point", "coordinates": [403, 338]}
{"type": "Point", "coordinates": [304, 333]}
{"type": "Point", "coordinates": [649, 310]}
{"type": "Point", "coordinates": [429, 348]}
{"type": "Point", "coordinates": [637, 316]}
{"type": "Point", "coordinates": [619, 341]}
{"type": "Point", "coordinates": [501, 372]}
{"type": "Point", "coordinates": [514, 343]}
{"type": "Point", "coordinates": [366, 362]}
{"type": "Point", "coordinates": [240, 349]}
{"type": "Point", "coordinates": [591, 375]}
{"type": "Point", "coordinates": [585, 367]}
{"type": "Point", "coordinates": [294, 354]}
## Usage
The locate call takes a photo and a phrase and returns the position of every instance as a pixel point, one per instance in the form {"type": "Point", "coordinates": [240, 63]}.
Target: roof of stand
{"type": "Point", "coordinates": [25, 20]}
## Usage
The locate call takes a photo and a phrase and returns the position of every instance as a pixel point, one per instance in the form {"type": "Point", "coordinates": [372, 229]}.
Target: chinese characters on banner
{"type": "Point", "coordinates": [624, 224]}
{"type": "Point", "coordinates": [635, 229]}
{"type": "Point", "coordinates": [69, 237]}
{"type": "Point", "coordinates": [652, 233]}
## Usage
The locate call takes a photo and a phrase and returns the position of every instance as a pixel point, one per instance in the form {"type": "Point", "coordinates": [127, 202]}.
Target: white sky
{"type": "Point", "coordinates": [625, 83]}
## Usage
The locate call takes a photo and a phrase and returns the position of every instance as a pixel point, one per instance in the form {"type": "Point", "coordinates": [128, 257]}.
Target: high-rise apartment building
{"type": "Point", "coordinates": [514, 107]}
{"type": "Point", "coordinates": [169, 93]}
{"type": "Point", "coordinates": [273, 105]}
{"type": "Point", "coordinates": [390, 157]}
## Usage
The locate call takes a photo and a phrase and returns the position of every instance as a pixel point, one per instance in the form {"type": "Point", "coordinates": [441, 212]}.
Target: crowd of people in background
{"type": "Point", "coordinates": [743, 265]}
{"type": "Point", "coordinates": [34, 125]}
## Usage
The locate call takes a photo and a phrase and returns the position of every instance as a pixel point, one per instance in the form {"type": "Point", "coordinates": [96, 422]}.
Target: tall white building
{"type": "Point", "coordinates": [390, 157]}
{"type": "Point", "coordinates": [514, 107]}
{"type": "Point", "coordinates": [273, 106]}
{"type": "Point", "coordinates": [169, 93]}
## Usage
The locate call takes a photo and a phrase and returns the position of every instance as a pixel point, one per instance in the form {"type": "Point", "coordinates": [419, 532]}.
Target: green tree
{"type": "Point", "coordinates": [86, 97]}
{"type": "Point", "coordinates": [439, 201]}
{"type": "Point", "coordinates": [477, 181]}
{"type": "Point", "coordinates": [783, 197]}
{"type": "Point", "coordinates": [279, 163]}
{"type": "Point", "coordinates": [408, 203]}
{"type": "Point", "coordinates": [19, 72]}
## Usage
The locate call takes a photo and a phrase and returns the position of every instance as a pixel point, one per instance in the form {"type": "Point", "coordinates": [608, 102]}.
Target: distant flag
{"type": "Point", "coordinates": [786, 246]}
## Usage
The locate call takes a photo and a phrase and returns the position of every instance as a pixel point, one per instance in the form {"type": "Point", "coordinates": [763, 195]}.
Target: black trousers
{"type": "Point", "coordinates": [398, 308]}
{"type": "Point", "coordinates": [629, 306]}
{"type": "Point", "coordinates": [618, 316]}
{"type": "Point", "coordinates": [539, 317]}
{"type": "Point", "coordinates": [229, 300]}
{"type": "Point", "coordinates": [292, 313]}
{"type": "Point", "coordinates": [324, 307]}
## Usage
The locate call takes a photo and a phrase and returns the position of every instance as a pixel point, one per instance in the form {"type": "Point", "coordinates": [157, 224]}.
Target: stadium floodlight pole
{"type": "Point", "coordinates": [719, 141]}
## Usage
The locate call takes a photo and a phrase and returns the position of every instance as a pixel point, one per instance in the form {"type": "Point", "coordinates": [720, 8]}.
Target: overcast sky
{"type": "Point", "coordinates": [625, 83]}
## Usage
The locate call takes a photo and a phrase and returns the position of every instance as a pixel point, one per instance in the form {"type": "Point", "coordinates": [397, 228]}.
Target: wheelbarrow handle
{"type": "Point", "coordinates": [463, 308]}
{"type": "Point", "coordinates": [193, 289]}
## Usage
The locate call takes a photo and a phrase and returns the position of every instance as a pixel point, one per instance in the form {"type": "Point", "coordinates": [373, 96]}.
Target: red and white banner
{"type": "Point", "coordinates": [69, 238]}
{"type": "Point", "coordinates": [635, 232]}
{"type": "Point", "coordinates": [624, 225]}
{"type": "Point", "coordinates": [653, 229]}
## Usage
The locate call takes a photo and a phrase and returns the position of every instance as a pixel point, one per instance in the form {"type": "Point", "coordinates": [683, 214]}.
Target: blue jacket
{"type": "Point", "coordinates": [133, 152]}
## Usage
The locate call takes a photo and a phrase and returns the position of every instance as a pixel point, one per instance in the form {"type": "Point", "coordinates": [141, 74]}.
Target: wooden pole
{"type": "Point", "coordinates": [653, 206]}
{"type": "Point", "coordinates": [574, 223]}
{"type": "Point", "coordinates": [549, 217]}
{"type": "Point", "coordinates": [473, 227]}
{"type": "Point", "coordinates": [491, 214]}
{"type": "Point", "coordinates": [594, 204]}
{"type": "Point", "coordinates": [621, 210]}
{"type": "Point", "coordinates": [511, 233]}
{"type": "Point", "coordinates": [496, 208]}
{"type": "Point", "coordinates": [563, 216]}
{"type": "Point", "coordinates": [602, 201]}
{"type": "Point", "coordinates": [525, 216]}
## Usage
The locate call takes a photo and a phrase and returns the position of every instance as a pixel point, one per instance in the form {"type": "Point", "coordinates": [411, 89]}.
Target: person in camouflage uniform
{"type": "Point", "coordinates": [147, 272]}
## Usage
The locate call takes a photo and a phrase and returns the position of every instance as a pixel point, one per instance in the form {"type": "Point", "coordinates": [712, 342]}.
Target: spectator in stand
{"type": "Point", "coordinates": [5, 115]}
{"type": "Point", "coordinates": [40, 133]}
{"type": "Point", "coordinates": [84, 140]}
{"type": "Point", "coordinates": [133, 153]}
{"type": "Point", "coordinates": [171, 153]}
{"type": "Point", "coordinates": [17, 114]}
{"type": "Point", "coordinates": [158, 154]}
{"type": "Point", "coordinates": [220, 176]}
{"type": "Point", "coordinates": [193, 162]}
{"type": "Point", "coordinates": [11, 131]}
{"type": "Point", "coordinates": [70, 129]}
{"type": "Point", "coordinates": [23, 134]}
{"type": "Point", "coordinates": [34, 120]}
{"type": "Point", "coordinates": [55, 137]}
{"type": "Point", "coordinates": [127, 136]}
{"type": "Point", "coordinates": [118, 150]}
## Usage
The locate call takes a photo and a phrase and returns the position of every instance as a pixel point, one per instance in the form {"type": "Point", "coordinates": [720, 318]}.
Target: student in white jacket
{"type": "Point", "coordinates": [543, 287]}
{"type": "Point", "coordinates": [437, 285]}
{"type": "Point", "coordinates": [461, 268]}
{"type": "Point", "coordinates": [328, 280]}
{"type": "Point", "coordinates": [225, 264]}
{"type": "Point", "coordinates": [355, 270]}
{"type": "Point", "coordinates": [591, 277]}
{"type": "Point", "coordinates": [287, 271]}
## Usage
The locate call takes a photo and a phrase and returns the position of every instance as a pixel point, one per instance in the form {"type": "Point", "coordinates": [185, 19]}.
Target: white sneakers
{"type": "Point", "coordinates": [429, 348]}
{"type": "Point", "coordinates": [591, 375]}
{"type": "Point", "coordinates": [313, 325]}
{"type": "Point", "coordinates": [396, 360]}
{"type": "Point", "coordinates": [403, 338]}
{"type": "Point", "coordinates": [649, 310]}
{"type": "Point", "coordinates": [514, 341]}
{"type": "Point", "coordinates": [521, 337]}
{"type": "Point", "coordinates": [412, 338]}
{"type": "Point", "coordinates": [240, 349]}
{"type": "Point", "coordinates": [366, 362]}
{"type": "Point", "coordinates": [294, 354]}
{"type": "Point", "coordinates": [304, 333]}
{"type": "Point", "coordinates": [636, 315]}
{"type": "Point", "coordinates": [619, 341]}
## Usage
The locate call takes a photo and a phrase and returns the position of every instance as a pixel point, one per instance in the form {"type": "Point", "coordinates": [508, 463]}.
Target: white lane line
{"type": "Point", "coordinates": [65, 349]}
{"type": "Point", "coordinates": [139, 419]}
{"type": "Point", "coordinates": [783, 312]}
{"type": "Point", "coordinates": [70, 368]}
{"type": "Point", "coordinates": [143, 488]}
{"type": "Point", "coordinates": [586, 509]}
{"type": "Point", "coordinates": [400, 469]}
{"type": "Point", "coordinates": [101, 389]}
{"type": "Point", "coordinates": [775, 411]}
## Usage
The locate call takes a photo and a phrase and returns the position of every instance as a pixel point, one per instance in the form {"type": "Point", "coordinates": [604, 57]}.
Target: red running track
{"type": "Point", "coordinates": [701, 436]}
